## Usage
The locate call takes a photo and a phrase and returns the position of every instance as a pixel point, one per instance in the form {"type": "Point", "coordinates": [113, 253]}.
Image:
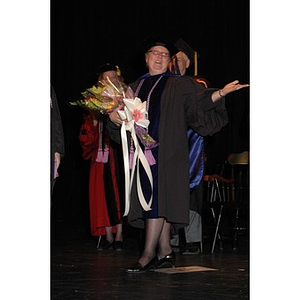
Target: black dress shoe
{"type": "Point", "coordinates": [137, 268]}
{"type": "Point", "coordinates": [167, 261]}
{"type": "Point", "coordinates": [119, 246]}
{"type": "Point", "coordinates": [106, 245]}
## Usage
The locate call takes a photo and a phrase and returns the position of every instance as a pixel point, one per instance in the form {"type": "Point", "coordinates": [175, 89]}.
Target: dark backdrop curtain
{"type": "Point", "coordinates": [85, 34]}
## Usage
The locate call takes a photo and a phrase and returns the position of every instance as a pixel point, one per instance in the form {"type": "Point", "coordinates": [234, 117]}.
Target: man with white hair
{"type": "Point", "coordinates": [190, 239]}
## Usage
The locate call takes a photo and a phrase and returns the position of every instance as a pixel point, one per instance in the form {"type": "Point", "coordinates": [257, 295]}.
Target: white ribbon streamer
{"type": "Point", "coordinates": [135, 113]}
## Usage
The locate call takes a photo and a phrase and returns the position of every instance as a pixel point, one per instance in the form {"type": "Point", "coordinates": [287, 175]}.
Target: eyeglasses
{"type": "Point", "coordinates": [163, 54]}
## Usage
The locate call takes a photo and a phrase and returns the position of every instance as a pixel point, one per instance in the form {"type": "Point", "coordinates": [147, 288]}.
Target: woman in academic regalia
{"type": "Point", "coordinates": [173, 103]}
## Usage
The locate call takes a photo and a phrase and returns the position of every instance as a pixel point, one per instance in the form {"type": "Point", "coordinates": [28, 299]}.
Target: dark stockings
{"type": "Point", "coordinates": [157, 234]}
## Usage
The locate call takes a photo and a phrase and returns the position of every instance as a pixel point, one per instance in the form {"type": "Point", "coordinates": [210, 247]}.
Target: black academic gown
{"type": "Point", "coordinates": [183, 103]}
{"type": "Point", "coordinates": [57, 133]}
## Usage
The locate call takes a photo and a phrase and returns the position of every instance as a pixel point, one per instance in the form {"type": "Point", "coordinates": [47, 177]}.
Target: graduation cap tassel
{"type": "Point", "coordinates": [195, 64]}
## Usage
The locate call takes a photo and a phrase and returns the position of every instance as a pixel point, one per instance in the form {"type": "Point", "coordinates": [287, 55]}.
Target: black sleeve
{"type": "Point", "coordinates": [57, 134]}
{"type": "Point", "coordinates": [203, 115]}
{"type": "Point", "coordinates": [113, 131]}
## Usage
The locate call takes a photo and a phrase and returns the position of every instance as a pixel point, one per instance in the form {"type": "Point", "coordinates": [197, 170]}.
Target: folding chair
{"type": "Point", "coordinates": [218, 194]}
{"type": "Point", "coordinates": [240, 172]}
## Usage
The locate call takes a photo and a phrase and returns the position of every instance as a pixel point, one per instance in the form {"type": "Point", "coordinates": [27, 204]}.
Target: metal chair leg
{"type": "Point", "coordinates": [217, 231]}
{"type": "Point", "coordinates": [99, 240]}
{"type": "Point", "coordinates": [236, 228]}
{"type": "Point", "coordinates": [200, 243]}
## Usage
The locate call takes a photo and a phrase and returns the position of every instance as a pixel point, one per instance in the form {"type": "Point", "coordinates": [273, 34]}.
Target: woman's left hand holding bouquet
{"type": "Point", "coordinates": [115, 117]}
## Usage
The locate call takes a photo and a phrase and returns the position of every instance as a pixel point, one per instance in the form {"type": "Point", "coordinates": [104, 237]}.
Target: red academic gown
{"type": "Point", "coordinates": [103, 187]}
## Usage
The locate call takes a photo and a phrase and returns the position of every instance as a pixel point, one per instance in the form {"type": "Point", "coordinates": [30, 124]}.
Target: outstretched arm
{"type": "Point", "coordinates": [227, 89]}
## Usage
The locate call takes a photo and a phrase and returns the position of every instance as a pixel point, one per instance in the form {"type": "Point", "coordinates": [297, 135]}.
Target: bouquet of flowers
{"type": "Point", "coordinates": [105, 98]}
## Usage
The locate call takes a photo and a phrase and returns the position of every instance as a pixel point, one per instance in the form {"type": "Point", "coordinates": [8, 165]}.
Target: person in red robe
{"type": "Point", "coordinates": [105, 188]}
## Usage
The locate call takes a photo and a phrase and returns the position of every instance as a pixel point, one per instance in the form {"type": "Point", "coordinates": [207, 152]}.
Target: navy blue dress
{"type": "Point", "coordinates": [153, 116]}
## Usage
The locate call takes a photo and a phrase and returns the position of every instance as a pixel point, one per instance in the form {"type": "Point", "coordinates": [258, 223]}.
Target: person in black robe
{"type": "Point", "coordinates": [189, 238]}
{"type": "Point", "coordinates": [173, 103]}
{"type": "Point", "coordinates": [57, 138]}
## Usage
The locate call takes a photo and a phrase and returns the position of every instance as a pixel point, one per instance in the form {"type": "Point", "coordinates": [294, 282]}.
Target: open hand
{"type": "Point", "coordinates": [232, 87]}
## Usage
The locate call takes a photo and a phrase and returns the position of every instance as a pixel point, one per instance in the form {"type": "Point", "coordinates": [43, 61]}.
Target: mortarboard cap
{"type": "Point", "coordinates": [159, 40]}
{"type": "Point", "coordinates": [181, 45]}
{"type": "Point", "coordinates": [108, 67]}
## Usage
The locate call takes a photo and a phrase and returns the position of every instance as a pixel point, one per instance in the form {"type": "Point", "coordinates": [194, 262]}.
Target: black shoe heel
{"type": "Point", "coordinates": [168, 260]}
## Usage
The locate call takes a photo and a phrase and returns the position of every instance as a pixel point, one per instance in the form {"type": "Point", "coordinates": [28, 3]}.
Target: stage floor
{"type": "Point", "coordinates": [80, 271]}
